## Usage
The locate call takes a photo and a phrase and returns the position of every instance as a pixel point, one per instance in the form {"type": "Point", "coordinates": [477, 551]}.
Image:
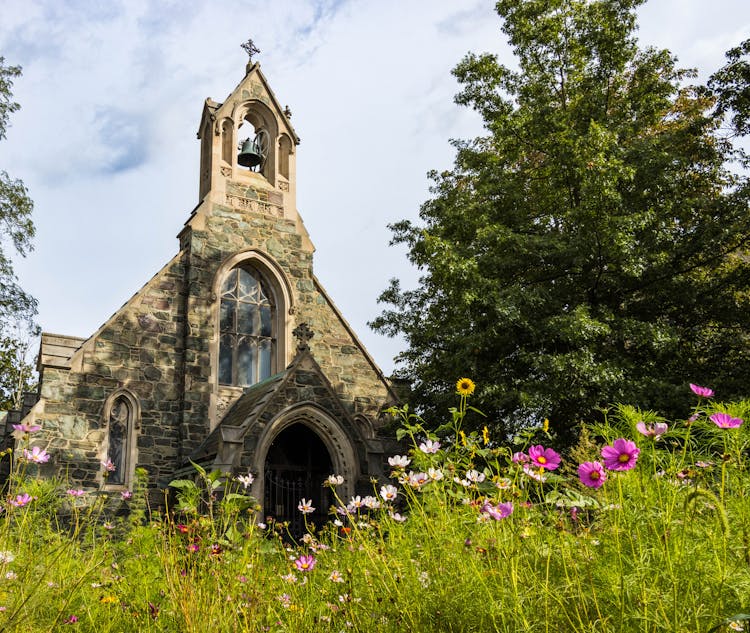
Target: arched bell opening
{"type": "Point", "coordinates": [256, 136]}
{"type": "Point", "coordinates": [296, 465]}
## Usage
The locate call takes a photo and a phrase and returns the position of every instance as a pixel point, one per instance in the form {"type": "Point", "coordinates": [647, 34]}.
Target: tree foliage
{"type": "Point", "coordinates": [591, 247]}
{"type": "Point", "coordinates": [17, 307]}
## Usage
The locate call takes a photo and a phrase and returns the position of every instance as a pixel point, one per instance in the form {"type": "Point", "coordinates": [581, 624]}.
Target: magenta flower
{"type": "Point", "coordinates": [498, 512]}
{"type": "Point", "coordinates": [592, 474]}
{"type": "Point", "coordinates": [24, 428]}
{"type": "Point", "coordinates": [652, 430]}
{"type": "Point", "coordinates": [76, 493]}
{"type": "Point", "coordinates": [702, 392]}
{"type": "Point", "coordinates": [126, 495]}
{"type": "Point", "coordinates": [305, 562]}
{"type": "Point", "coordinates": [22, 500]}
{"type": "Point", "coordinates": [36, 455]}
{"type": "Point", "coordinates": [544, 457]}
{"type": "Point", "coordinates": [726, 421]}
{"type": "Point", "coordinates": [193, 548]}
{"type": "Point", "coordinates": [622, 455]}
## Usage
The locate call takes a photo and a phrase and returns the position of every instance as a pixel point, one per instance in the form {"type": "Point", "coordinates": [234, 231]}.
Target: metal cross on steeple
{"type": "Point", "coordinates": [250, 48]}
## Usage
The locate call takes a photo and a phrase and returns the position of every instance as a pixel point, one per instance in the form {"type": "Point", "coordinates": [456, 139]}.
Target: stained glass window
{"type": "Point", "coordinates": [246, 329]}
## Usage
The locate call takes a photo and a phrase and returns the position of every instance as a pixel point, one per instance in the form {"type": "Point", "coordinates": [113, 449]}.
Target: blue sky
{"type": "Point", "coordinates": [111, 97]}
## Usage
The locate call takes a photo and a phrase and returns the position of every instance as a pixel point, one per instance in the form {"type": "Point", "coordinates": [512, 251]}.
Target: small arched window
{"type": "Point", "coordinates": [227, 141]}
{"type": "Point", "coordinates": [121, 417]}
{"type": "Point", "coordinates": [285, 150]}
{"type": "Point", "coordinates": [246, 328]}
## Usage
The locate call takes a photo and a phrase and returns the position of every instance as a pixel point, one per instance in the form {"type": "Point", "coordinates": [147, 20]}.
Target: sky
{"type": "Point", "coordinates": [111, 97]}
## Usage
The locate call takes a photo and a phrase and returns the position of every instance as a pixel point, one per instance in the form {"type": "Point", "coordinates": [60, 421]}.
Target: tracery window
{"type": "Point", "coordinates": [246, 328]}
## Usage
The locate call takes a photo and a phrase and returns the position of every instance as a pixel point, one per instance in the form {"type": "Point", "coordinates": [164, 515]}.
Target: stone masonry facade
{"type": "Point", "coordinates": [161, 347]}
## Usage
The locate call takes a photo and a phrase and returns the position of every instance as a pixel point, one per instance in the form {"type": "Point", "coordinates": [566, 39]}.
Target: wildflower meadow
{"type": "Point", "coordinates": [643, 526]}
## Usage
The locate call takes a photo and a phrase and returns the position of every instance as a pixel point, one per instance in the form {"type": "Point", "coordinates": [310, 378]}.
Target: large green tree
{"type": "Point", "coordinates": [591, 247]}
{"type": "Point", "coordinates": [17, 307]}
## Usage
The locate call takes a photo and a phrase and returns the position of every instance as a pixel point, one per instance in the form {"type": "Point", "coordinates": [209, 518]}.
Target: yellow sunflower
{"type": "Point", "coordinates": [465, 387]}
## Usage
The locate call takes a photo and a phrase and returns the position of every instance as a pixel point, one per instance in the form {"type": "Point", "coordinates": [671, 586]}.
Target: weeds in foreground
{"type": "Point", "coordinates": [644, 526]}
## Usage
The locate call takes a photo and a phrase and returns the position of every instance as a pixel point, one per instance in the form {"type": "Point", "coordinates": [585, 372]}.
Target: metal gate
{"type": "Point", "coordinates": [283, 491]}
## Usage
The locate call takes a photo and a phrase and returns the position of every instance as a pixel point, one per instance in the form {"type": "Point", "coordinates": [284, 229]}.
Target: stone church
{"type": "Point", "coordinates": [232, 355]}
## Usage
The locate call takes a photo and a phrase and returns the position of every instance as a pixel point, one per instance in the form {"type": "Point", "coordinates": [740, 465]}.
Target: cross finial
{"type": "Point", "coordinates": [250, 48]}
{"type": "Point", "coordinates": [303, 334]}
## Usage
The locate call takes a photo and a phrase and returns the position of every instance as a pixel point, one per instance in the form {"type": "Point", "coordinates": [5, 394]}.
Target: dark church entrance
{"type": "Point", "coordinates": [296, 466]}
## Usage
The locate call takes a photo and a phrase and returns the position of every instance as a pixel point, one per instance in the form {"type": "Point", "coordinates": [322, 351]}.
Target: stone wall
{"type": "Point", "coordinates": [161, 345]}
{"type": "Point", "coordinates": [140, 349]}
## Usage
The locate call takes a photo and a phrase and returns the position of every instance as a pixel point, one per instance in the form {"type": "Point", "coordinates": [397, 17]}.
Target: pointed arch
{"type": "Point", "coordinates": [285, 151]}
{"type": "Point", "coordinates": [227, 142]}
{"type": "Point", "coordinates": [340, 446]}
{"type": "Point", "coordinates": [253, 300]}
{"type": "Point", "coordinates": [260, 117]}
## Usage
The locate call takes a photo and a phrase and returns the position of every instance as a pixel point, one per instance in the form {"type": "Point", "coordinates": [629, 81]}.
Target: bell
{"type": "Point", "coordinates": [250, 154]}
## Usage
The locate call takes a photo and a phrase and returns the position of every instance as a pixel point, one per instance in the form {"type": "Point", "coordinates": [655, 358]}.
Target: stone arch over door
{"type": "Point", "coordinates": [308, 418]}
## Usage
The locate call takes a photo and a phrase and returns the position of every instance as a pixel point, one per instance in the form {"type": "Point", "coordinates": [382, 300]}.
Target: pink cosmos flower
{"type": "Point", "coordinates": [389, 493]}
{"type": "Point", "coordinates": [429, 447]}
{"type": "Point", "coordinates": [415, 480]}
{"type": "Point", "coordinates": [726, 421]}
{"type": "Point", "coordinates": [305, 507]}
{"type": "Point", "coordinates": [592, 474]}
{"type": "Point", "coordinates": [399, 461]}
{"type": "Point", "coordinates": [544, 457]}
{"type": "Point", "coordinates": [109, 466]}
{"type": "Point", "coordinates": [24, 428]}
{"type": "Point", "coordinates": [193, 548]}
{"type": "Point", "coordinates": [475, 477]}
{"type": "Point", "coordinates": [498, 512]}
{"type": "Point", "coordinates": [652, 430]}
{"type": "Point", "coordinates": [538, 475]}
{"type": "Point", "coordinates": [622, 455]}
{"type": "Point", "coordinates": [702, 392]}
{"type": "Point", "coordinates": [76, 493]}
{"type": "Point", "coordinates": [245, 480]}
{"type": "Point", "coordinates": [305, 562]}
{"type": "Point", "coordinates": [126, 494]}
{"type": "Point", "coordinates": [519, 458]}
{"type": "Point", "coordinates": [22, 500]}
{"type": "Point", "coordinates": [36, 455]}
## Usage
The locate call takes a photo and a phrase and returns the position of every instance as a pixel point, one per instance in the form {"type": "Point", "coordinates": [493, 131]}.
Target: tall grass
{"type": "Point", "coordinates": [479, 537]}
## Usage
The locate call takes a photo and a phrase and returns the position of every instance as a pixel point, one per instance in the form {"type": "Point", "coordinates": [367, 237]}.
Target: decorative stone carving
{"type": "Point", "coordinates": [256, 206]}
{"type": "Point", "coordinates": [303, 334]}
{"type": "Point", "coordinates": [226, 172]}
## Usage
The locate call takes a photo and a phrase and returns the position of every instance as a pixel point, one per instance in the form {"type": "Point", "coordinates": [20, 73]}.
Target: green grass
{"type": "Point", "coordinates": [664, 546]}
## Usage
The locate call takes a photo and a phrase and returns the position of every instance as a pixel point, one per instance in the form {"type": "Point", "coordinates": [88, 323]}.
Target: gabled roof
{"type": "Point", "coordinates": [246, 407]}
{"type": "Point", "coordinates": [212, 109]}
{"type": "Point", "coordinates": [261, 397]}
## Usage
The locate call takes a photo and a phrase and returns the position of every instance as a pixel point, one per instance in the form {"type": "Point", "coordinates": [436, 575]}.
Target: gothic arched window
{"type": "Point", "coordinates": [246, 329]}
{"type": "Point", "coordinates": [121, 418]}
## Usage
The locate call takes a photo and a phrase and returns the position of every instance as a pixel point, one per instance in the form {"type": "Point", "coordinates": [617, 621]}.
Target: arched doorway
{"type": "Point", "coordinates": [296, 465]}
